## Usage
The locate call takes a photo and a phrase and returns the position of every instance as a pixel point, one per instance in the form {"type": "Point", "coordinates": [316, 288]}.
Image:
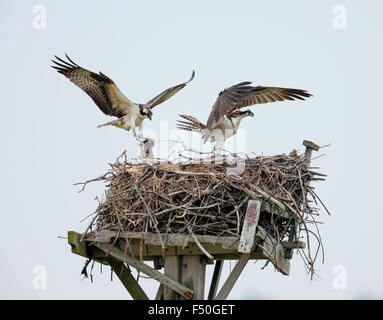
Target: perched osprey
{"type": "Point", "coordinates": [227, 112]}
{"type": "Point", "coordinates": [110, 99]}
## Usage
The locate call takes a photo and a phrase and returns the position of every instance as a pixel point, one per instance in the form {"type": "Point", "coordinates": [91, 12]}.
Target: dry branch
{"type": "Point", "coordinates": [202, 198]}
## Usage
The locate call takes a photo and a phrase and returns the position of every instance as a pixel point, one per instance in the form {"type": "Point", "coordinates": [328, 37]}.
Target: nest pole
{"type": "Point", "coordinates": [186, 269]}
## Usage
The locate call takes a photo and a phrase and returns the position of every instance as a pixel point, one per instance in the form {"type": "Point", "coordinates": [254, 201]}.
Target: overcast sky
{"type": "Point", "coordinates": [50, 140]}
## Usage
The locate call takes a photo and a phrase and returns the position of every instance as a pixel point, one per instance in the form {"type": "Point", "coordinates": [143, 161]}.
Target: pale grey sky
{"type": "Point", "coordinates": [50, 140]}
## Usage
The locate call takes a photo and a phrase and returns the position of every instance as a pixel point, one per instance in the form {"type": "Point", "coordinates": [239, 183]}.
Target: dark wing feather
{"type": "Point", "coordinates": [95, 85]}
{"type": "Point", "coordinates": [191, 124]}
{"type": "Point", "coordinates": [227, 100]}
{"type": "Point", "coordinates": [242, 95]}
{"type": "Point", "coordinates": [272, 94]}
{"type": "Point", "coordinates": [168, 93]}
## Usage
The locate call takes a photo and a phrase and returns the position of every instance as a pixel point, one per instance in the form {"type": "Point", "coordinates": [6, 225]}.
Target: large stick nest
{"type": "Point", "coordinates": [211, 198]}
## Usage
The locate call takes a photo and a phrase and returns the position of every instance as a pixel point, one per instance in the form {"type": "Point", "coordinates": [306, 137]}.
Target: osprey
{"type": "Point", "coordinates": [110, 99]}
{"type": "Point", "coordinates": [227, 112]}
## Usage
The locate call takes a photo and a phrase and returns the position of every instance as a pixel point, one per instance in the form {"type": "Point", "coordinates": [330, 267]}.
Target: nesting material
{"type": "Point", "coordinates": [210, 198]}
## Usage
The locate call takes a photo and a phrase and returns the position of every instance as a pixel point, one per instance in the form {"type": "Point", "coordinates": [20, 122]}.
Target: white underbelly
{"type": "Point", "coordinates": [224, 130]}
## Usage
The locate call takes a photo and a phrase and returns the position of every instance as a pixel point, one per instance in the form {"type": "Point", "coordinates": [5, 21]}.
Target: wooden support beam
{"type": "Point", "coordinates": [193, 272]}
{"type": "Point", "coordinates": [128, 280]}
{"type": "Point", "coordinates": [233, 277]}
{"type": "Point", "coordinates": [215, 279]}
{"type": "Point", "coordinates": [188, 270]}
{"type": "Point", "coordinates": [144, 268]}
{"type": "Point", "coordinates": [172, 269]}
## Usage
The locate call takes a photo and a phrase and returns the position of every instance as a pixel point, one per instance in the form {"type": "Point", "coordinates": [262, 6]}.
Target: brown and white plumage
{"type": "Point", "coordinates": [224, 129]}
{"type": "Point", "coordinates": [243, 95]}
{"type": "Point", "coordinates": [109, 98]}
{"type": "Point", "coordinates": [227, 111]}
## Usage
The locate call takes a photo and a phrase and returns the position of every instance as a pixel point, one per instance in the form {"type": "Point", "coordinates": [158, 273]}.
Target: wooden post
{"type": "Point", "coordinates": [172, 269]}
{"type": "Point", "coordinates": [188, 270]}
{"type": "Point", "coordinates": [310, 146]}
{"type": "Point", "coordinates": [193, 275]}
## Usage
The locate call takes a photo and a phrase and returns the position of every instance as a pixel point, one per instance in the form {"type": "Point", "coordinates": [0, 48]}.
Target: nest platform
{"type": "Point", "coordinates": [197, 212]}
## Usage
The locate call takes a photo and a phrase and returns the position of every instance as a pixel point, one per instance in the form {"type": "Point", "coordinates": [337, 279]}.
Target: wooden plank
{"type": "Point", "coordinates": [292, 235]}
{"type": "Point", "coordinates": [128, 280]}
{"type": "Point", "coordinates": [169, 239]}
{"type": "Point", "coordinates": [79, 247]}
{"type": "Point", "coordinates": [269, 208]}
{"type": "Point", "coordinates": [274, 251]}
{"type": "Point", "coordinates": [215, 279]}
{"type": "Point", "coordinates": [172, 269]}
{"type": "Point", "coordinates": [249, 226]}
{"type": "Point", "coordinates": [157, 250]}
{"type": "Point", "coordinates": [144, 268]}
{"type": "Point", "coordinates": [193, 275]}
{"type": "Point", "coordinates": [257, 255]}
{"type": "Point", "coordinates": [233, 277]}
{"type": "Point", "coordinates": [293, 244]}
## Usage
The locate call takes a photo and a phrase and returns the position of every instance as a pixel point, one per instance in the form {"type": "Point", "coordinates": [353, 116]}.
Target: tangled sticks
{"type": "Point", "coordinates": [206, 199]}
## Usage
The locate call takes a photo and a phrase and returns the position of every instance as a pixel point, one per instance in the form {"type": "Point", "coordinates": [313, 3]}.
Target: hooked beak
{"type": "Point", "coordinates": [251, 114]}
{"type": "Point", "coordinates": [150, 117]}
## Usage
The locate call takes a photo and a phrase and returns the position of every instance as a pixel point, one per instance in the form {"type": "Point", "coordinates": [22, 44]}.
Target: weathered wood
{"type": "Point", "coordinates": [141, 266]}
{"type": "Point", "coordinates": [128, 280]}
{"type": "Point", "coordinates": [160, 293]}
{"type": "Point", "coordinates": [79, 247]}
{"type": "Point", "coordinates": [293, 244]}
{"type": "Point", "coordinates": [169, 239]}
{"type": "Point", "coordinates": [292, 235]}
{"type": "Point", "coordinates": [233, 277]}
{"type": "Point", "coordinates": [188, 270]}
{"type": "Point", "coordinates": [310, 145]}
{"type": "Point", "coordinates": [193, 275]}
{"type": "Point", "coordinates": [269, 208]}
{"type": "Point", "coordinates": [172, 269]}
{"type": "Point", "coordinates": [274, 251]}
{"type": "Point", "coordinates": [215, 279]}
{"type": "Point", "coordinates": [249, 226]}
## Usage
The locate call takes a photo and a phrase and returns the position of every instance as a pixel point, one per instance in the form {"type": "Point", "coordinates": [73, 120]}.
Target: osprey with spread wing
{"type": "Point", "coordinates": [227, 112]}
{"type": "Point", "coordinates": [110, 99]}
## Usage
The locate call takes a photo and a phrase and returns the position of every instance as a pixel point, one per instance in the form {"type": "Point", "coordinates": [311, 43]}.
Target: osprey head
{"type": "Point", "coordinates": [247, 113]}
{"type": "Point", "coordinates": [146, 112]}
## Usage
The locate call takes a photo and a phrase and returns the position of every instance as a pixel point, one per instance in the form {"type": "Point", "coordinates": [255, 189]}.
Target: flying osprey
{"type": "Point", "coordinates": [227, 112]}
{"type": "Point", "coordinates": [110, 99]}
